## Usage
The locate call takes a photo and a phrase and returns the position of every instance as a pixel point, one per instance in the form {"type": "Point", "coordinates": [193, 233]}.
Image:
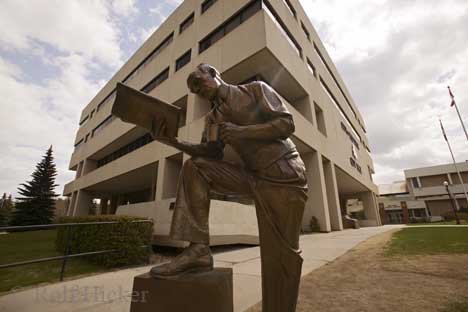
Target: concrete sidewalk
{"type": "Point", "coordinates": [111, 291]}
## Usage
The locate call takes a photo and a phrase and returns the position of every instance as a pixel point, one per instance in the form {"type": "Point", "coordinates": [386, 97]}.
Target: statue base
{"type": "Point", "coordinates": [199, 292]}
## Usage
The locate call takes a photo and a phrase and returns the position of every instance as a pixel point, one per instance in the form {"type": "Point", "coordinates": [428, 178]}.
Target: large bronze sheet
{"type": "Point", "coordinates": [143, 110]}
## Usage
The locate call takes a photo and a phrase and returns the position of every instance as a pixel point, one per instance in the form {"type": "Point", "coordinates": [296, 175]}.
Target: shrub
{"type": "Point", "coordinates": [314, 225]}
{"type": "Point", "coordinates": [125, 236]}
{"type": "Point", "coordinates": [450, 216]}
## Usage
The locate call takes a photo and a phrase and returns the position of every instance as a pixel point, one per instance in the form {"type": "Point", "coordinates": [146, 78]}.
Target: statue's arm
{"type": "Point", "coordinates": [204, 149]}
{"type": "Point", "coordinates": [278, 121]}
{"type": "Point", "coordinates": [278, 128]}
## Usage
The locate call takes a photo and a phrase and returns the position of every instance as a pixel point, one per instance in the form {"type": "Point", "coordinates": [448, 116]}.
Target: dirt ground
{"type": "Point", "coordinates": [364, 280]}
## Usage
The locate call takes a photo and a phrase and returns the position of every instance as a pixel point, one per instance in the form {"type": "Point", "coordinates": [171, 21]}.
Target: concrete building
{"type": "Point", "coordinates": [397, 205]}
{"type": "Point", "coordinates": [426, 184]}
{"type": "Point", "coordinates": [274, 41]}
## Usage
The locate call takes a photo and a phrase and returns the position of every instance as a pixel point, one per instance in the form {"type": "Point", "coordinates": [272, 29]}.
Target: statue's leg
{"type": "Point", "coordinates": [199, 176]}
{"type": "Point", "coordinates": [279, 213]}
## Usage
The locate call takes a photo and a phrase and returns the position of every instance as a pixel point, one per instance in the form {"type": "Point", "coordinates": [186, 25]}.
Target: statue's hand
{"type": "Point", "coordinates": [160, 134]}
{"type": "Point", "coordinates": [229, 132]}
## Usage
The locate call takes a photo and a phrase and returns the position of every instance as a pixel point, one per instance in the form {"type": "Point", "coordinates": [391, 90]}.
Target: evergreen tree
{"type": "Point", "coordinates": [6, 205]}
{"type": "Point", "coordinates": [37, 202]}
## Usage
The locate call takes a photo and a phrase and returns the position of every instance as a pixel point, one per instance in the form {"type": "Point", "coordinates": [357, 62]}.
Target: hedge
{"type": "Point", "coordinates": [125, 236]}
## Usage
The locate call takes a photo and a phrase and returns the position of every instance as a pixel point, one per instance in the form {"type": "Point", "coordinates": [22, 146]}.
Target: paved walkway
{"type": "Point", "coordinates": [111, 291]}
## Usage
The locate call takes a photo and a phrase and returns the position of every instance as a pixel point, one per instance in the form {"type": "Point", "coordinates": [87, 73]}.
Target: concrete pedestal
{"type": "Point", "coordinates": [201, 292]}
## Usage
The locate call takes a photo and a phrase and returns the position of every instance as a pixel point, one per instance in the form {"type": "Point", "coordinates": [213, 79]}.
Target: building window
{"type": "Point", "coordinates": [138, 143]}
{"type": "Point", "coordinates": [415, 182]}
{"type": "Point", "coordinates": [325, 64]}
{"type": "Point", "coordinates": [306, 32]}
{"type": "Point", "coordinates": [311, 68]}
{"type": "Point", "coordinates": [102, 125]}
{"type": "Point", "coordinates": [206, 5]}
{"type": "Point", "coordinates": [186, 23]}
{"type": "Point", "coordinates": [166, 42]}
{"type": "Point", "coordinates": [319, 116]}
{"type": "Point", "coordinates": [282, 27]}
{"type": "Point", "coordinates": [183, 60]}
{"type": "Point", "coordinates": [84, 120]}
{"type": "Point", "coordinates": [241, 16]}
{"type": "Point", "coordinates": [156, 81]}
{"type": "Point", "coordinates": [78, 145]}
{"type": "Point", "coordinates": [340, 110]}
{"type": "Point", "coordinates": [107, 100]}
{"type": "Point", "coordinates": [371, 172]}
{"type": "Point", "coordinates": [290, 7]}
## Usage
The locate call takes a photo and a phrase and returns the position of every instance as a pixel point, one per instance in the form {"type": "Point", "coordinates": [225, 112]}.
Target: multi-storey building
{"type": "Point", "coordinates": [397, 205]}
{"type": "Point", "coordinates": [427, 183]}
{"type": "Point", "coordinates": [120, 165]}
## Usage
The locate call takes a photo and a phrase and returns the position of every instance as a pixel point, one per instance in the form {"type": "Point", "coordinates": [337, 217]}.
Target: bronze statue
{"type": "Point", "coordinates": [256, 123]}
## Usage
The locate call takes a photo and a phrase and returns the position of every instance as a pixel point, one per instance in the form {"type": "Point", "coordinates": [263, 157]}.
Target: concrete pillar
{"type": "Point", "coordinates": [333, 199]}
{"type": "Point", "coordinates": [83, 203]}
{"type": "Point", "coordinates": [88, 166]}
{"type": "Point", "coordinates": [317, 204]}
{"type": "Point", "coordinates": [404, 209]}
{"type": "Point", "coordinates": [190, 108]}
{"type": "Point", "coordinates": [113, 204]}
{"type": "Point", "coordinates": [160, 179]}
{"type": "Point", "coordinates": [370, 207]}
{"type": "Point", "coordinates": [71, 204]}
{"type": "Point", "coordinates": [103, 206]}
{"type": "Point", "coordinates": [383, 214]}
{"type": "Point", "coordinates": [376, 205]}
{"type": "Point", "coordinates": [197, 107]}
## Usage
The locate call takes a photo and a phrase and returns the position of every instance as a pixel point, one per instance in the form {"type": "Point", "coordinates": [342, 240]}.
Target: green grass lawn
{"type": "Point", "coordinates": [457, 307]}
{"type": "Point", "coordinates": [429, 241]}
{"type": "Point", "coordinates": [462, 222]}
{"type": "Point", "coordinates": [32, 245]}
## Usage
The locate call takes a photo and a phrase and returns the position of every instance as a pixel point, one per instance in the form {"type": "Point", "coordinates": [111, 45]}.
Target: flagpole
{"type": "Point", "coordinates": [458, 112]}
{"type": "Point", "coordinates": [454, 162]}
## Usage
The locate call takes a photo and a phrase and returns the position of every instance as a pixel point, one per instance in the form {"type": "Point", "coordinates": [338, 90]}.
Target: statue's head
{"type": "Point", "coordinates": [204, 81]}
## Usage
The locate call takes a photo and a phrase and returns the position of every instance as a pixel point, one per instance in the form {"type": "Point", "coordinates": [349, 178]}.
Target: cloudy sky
{"type": "Point", "coordinates": [396, 56]}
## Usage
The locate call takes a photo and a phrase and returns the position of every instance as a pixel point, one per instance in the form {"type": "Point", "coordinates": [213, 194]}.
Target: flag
{"type": "Point", "coordinates": [452, 97]}
{"type": "Point", "coordinates": [443, 130]}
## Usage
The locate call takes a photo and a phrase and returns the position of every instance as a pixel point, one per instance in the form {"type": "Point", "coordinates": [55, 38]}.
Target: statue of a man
{"type": "Point", "coordinates": [256, 123]}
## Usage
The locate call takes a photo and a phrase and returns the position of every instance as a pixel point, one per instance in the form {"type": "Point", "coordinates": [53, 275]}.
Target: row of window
{"type": "Point", "coordinates": [102, 125]}
{"type": "Point", "coordinates": [327, 90]}
{"type": "Point", "coordinates": [179, 64]}
{"type": "Point", "coordinates": [237, 19]}
{"type": "Point", "coordinates": [233, 22]}
{"type": "Point", "coordinates": [290, 7]}
{"type": "Point", "coordinates": [335, 80]}
{"type": "Point", "coordinates": [282, 27]}
{"type": "Point", "coordinates": [353, 140]}
{"type": "Point", "coordinates": [355, 164]}
{"type": "Point", "coordinates": [138, 143]}
{"type": "Point", "coordinates": [295, 45]}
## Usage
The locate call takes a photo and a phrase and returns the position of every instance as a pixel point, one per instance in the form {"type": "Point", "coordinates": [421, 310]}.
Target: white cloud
{"type": "Point", "coordinates": [397, 58]}
{"type": "Point", "coordinates": [124, 7]}
{"type": "Point", "coordinates": [33, 117]}
{"type": "Point", "coordinates": [76, 40]}
{"type": "Point", "coordinates": [70, 26]}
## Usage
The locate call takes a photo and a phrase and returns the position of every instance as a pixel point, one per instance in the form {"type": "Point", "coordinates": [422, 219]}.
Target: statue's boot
{"type": "Point", "coordinates": [194, 259]}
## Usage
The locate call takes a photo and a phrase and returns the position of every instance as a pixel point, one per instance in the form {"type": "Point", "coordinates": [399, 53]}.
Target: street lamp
{"type": "Point", "coordinates": [452, 201]}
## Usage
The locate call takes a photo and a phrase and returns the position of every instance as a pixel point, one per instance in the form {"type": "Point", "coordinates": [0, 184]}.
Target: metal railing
{"type": "Point", "coordinates": [67, 254]}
